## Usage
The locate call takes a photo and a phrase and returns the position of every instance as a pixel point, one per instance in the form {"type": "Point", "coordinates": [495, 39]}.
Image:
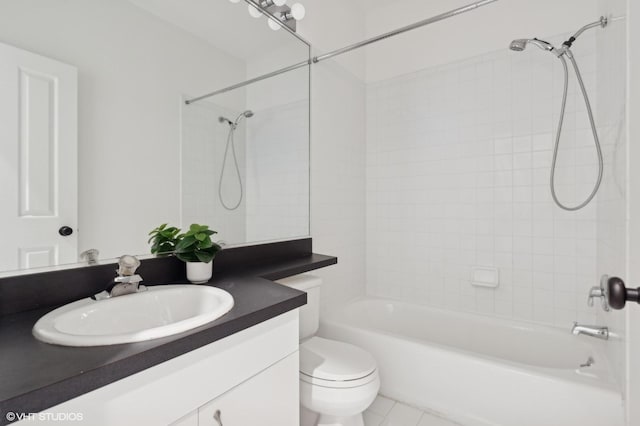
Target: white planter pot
{"type": "Point", "coordinates": [198, 272]}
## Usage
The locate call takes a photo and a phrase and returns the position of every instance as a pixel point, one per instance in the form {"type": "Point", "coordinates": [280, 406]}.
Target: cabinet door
{"type": "Point", "coordinates": [268, 399]}
{"type": "Point", "coordinates": [190, 419]}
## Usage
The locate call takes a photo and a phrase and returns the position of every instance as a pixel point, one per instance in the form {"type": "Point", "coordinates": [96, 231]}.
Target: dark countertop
{"type": "Point", "coordinates": [35, 376]}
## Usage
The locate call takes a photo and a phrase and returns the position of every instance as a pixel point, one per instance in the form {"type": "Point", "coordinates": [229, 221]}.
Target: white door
{"type": "Point", "coordinates": [38, 160]}
{"type": "Point", "coordinates": [633, 259]}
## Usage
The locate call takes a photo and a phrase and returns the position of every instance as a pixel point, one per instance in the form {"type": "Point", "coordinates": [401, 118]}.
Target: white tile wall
{"type": "Point", "coordinates": [277, 185]}
{"type": "Point", "coordinates": [458, 160]}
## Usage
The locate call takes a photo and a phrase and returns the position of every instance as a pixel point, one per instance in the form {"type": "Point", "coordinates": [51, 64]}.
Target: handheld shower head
{"type": "Point", "coordinates": [246, 114]}
{"type": "Point", "coordinates": [520, 44]}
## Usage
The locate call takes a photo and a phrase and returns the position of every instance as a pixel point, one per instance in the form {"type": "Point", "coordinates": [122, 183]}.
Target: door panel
{"type": "Point", "coordinates": [269, 398]}
{"type": "Point", "coordinates": [38, 159]}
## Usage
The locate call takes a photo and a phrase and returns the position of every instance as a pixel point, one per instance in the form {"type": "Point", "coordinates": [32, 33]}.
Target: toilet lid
{"type": "Point", "coordinates": [336, 361]}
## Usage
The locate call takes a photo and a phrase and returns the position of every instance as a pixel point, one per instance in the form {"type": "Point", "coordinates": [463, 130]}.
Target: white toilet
{"type": "Point", "coordinates": [338, 381]}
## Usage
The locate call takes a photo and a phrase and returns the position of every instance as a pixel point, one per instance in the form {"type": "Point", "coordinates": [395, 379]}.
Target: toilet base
{"type": "Point", "coordinates": [311, 418]}
{"type": "Point", "coordinates": [325, 420]}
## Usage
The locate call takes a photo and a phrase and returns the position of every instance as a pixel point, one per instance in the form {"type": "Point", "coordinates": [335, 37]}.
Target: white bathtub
{"type": "Point", "coordinates": [480, 371]}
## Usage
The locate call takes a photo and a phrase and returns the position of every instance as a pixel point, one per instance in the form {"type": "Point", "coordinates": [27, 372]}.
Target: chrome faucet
{"type": "Point", "coordinates": [590, 330]}
{"type": "Point", "coordinates": [600, 292]}
{"type": "Point", "coordinates": [127, 281]}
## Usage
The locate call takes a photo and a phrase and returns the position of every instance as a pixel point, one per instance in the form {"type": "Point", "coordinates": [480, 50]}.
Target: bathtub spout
{"type": "Point", "coordinates": [590, 330]}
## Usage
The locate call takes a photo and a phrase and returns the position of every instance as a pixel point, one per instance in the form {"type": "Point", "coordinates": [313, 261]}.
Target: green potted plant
{"type": "Point", "coordinates": [197, 250]}
{"type": "Point", "coordinates": [163, 240]}
{"type": "Point", "coordinates": [193, 247]}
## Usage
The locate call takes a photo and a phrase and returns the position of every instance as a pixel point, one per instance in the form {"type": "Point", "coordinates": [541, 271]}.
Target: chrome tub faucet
{"type": "Point", "coordinates": [590, 330]}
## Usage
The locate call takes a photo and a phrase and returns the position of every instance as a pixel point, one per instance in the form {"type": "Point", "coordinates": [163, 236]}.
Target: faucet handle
{"type": "Point", "coordinates": [127, 265]}
{"type": "Point", "coordinates": [593, 293]}
{"type": "Point", "coordinates": [599, 292]}
{"type": "Point", "coordinates": [91, 256]}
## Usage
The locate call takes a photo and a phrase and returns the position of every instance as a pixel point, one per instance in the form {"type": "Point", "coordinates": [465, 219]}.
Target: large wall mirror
{"type": "Point", "coordinates": [99, 147]}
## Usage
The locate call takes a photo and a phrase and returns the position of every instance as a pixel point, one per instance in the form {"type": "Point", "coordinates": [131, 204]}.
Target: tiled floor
{"type": "Point", "coordinates": [387, 412]}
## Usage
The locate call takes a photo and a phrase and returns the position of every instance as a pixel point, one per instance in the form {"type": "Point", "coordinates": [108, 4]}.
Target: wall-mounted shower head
{"type": "Point", "coordinates": [222, 119]}
{"type": "Point", "coordinates": [520, 44]}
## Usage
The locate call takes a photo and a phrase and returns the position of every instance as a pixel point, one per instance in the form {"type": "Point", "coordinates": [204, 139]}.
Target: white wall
{"type": "Point", "coordinates": [332, 24]}
{"type": "Point", "coordinates": [486, 29]}
{"type": "Point", "coordinates": [632, 316]}
{"type": "Point", "coordinates": [133, 69]}
{"type": "Point", "coordinates": [612, 224]}
{"type": "Point", "coordinates": [337, 149]}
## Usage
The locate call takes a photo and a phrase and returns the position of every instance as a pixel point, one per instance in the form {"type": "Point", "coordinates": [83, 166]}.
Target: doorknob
{"type": "Point", "coordinates": [65, 231]}
{"type": "Point", "coordinates": [619, 294]}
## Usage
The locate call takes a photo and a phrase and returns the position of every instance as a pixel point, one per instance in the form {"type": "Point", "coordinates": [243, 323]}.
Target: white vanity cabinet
{"type": "Point", "coordinates": [250, 377]}
{"type": "Point", "coordinates": [270, 398]}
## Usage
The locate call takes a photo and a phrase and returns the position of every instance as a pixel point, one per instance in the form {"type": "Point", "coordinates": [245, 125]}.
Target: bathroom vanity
{"type": "Point", "coordinates": [250, 377]}
{"type": "Point", "coordinates": [239, 369]}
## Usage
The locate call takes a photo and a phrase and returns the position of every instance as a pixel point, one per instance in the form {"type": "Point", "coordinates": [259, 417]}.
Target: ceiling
{"type": "Point", "coordinates": [223, 24]}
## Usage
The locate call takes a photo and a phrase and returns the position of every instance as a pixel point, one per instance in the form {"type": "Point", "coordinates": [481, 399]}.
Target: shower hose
{"type": "Point", "coordinates": [569, 54]}
{"type": "Point", "coordinates": [230, 142]}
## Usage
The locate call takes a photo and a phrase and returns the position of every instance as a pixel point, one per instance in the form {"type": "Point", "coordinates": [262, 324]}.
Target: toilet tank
{"type": "Point", "coordinates": [309, 313]}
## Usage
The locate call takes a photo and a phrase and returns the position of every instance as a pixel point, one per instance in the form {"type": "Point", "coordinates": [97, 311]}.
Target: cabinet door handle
{"type": "Point", "coordinates": [217, 416]}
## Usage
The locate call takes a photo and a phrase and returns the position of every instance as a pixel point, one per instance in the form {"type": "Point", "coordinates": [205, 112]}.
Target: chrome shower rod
{"type": "Point", "coordinates": [250, 81]}
{"type": "Point", "coordinates": [393, 33]}
{"type": "Point", "coordinates": [349, 48]}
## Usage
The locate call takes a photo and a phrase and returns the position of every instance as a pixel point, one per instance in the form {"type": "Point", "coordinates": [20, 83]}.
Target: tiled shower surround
{"type": "Point", "coordinates": [458, 161]}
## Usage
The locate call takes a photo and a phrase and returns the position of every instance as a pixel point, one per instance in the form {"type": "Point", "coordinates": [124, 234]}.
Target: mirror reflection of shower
{"type": "Point", "coordinates": [233, 125]}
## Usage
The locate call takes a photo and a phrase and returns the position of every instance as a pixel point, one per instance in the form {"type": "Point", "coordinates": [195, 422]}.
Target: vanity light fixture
{"type": "Point", "coordinates": [268, 3]}
{"type": "Point", "coordinates": [273, 24]}
{"type": "Point", "coordinates": [254, 11]}
{"type": "Point", "coordinates": [276, 10]}
{"type": "Point", "coordinates": [295, 13]}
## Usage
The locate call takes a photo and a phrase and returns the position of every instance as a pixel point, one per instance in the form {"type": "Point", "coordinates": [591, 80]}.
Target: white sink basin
{"type": "Point", "coordinates": [157, 312]}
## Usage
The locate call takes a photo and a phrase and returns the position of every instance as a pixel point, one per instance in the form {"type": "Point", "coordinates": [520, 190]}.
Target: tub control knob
{"type": "Point", "coordinates": [619, 294]}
